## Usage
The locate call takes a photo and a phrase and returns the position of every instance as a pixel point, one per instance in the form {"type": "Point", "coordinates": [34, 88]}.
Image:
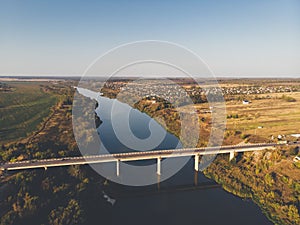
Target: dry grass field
{"type": "Point", "coordinates": [266, 117]}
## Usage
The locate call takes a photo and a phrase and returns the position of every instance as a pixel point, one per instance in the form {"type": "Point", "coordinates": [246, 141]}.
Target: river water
{"type": "Point", "coordinates": [187, 198]}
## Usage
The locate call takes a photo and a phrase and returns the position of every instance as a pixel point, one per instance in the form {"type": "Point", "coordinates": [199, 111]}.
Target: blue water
{"type": "Point", "coordinates": [167, 202]}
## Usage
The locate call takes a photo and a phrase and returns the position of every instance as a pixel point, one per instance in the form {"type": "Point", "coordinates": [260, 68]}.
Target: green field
{"type": "Point", "coordinates": [23, 109]}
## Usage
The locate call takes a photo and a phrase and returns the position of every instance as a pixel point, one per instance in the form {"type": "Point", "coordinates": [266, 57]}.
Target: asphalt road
{"type": "Point", "coordinates": [132, 156]}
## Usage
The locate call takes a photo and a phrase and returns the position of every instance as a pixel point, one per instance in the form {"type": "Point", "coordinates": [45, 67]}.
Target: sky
{"type": "Point", "coordinates": [257, 38]}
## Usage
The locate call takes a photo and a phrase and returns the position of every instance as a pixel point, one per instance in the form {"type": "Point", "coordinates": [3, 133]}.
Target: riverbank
{"type": "Point", "coordinates": [269, 179]}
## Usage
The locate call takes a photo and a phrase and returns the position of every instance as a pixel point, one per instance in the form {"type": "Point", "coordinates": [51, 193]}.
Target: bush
{"type": "Point", "coordinates": [244, 136]}
{"type": "Point", "coordinates": [288, 98]}
{"type": "Point", "coordinates": [293, 150]}
{"type": "Point", "coordinates": [236, 116]}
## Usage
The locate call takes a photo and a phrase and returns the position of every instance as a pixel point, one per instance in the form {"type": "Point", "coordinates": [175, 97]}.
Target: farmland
{"type": "Point", "coordinates": [270, 178]}
{"type": "Point", "coordinates": [22, 109]}
{"type": "Point", "coordinates": [267, 116]}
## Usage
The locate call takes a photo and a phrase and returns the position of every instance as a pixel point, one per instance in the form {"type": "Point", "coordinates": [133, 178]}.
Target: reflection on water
{"type": "Point", "coordinates": [179, 201]}
{"type": "Point", "coordinates": [126, 129]}
{"type": "Point", "coordinates": [186, 198]}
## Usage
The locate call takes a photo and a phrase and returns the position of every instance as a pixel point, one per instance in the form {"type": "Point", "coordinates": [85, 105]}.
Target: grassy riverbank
{"type": "Point", "coordinates": [22, 109]}
{"type": "Point", "coordinates": [270, 178]}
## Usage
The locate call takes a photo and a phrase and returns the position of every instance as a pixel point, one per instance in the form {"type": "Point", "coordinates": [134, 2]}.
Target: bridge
{"type": "Point", "coordinates": [144, 155]}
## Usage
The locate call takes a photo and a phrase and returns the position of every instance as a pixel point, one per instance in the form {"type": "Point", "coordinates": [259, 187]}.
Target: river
{"type": "Point", "coordinates": [186, 198]}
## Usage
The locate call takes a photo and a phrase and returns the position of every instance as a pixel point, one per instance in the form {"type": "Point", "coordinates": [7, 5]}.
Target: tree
{"type": "Point", "coordinates": [76, 172]}
{"type": "Point", "coordinates": [71, 214]}
{"type": "Point", "coordinates": [293, 214]}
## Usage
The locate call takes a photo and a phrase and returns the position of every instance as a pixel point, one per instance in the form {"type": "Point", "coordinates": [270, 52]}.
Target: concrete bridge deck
{"type": "Point", "coordinates": [134, 156]}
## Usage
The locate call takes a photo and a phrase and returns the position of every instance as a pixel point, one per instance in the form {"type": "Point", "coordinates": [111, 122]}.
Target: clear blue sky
{"type": "Point", "coordinates": [236, 38]}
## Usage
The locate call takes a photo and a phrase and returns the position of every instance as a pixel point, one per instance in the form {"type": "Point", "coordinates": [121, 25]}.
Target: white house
{"type": "Point", "coordinates": [296, 159]}
{"type": "Point", "coordinates": [295, 135]}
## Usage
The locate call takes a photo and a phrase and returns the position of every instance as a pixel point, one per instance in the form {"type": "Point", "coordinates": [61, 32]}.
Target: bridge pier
{"type": "Point", "coordinates": [158, 182]}
{"type": "Point", "coordinates": [133, 156]}
{"type": "Point", "coordinates": [196, 178]}
{"type": "Point", "coordinates": [158, 166]}
{"type": "Point", "coordinates": [118, 168]}
{"type": "Point", "coordinates": [231, 155]}
{"type": "Point", "coordinates": [196, 166]}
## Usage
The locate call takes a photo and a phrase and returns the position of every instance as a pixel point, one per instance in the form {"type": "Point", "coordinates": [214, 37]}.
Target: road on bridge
{"type": "Point", "coordinates": [134, 156]}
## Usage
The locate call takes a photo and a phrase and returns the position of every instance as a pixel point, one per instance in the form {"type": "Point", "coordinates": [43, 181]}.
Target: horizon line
{"type": "Point", "coordinates": [150, 76]}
